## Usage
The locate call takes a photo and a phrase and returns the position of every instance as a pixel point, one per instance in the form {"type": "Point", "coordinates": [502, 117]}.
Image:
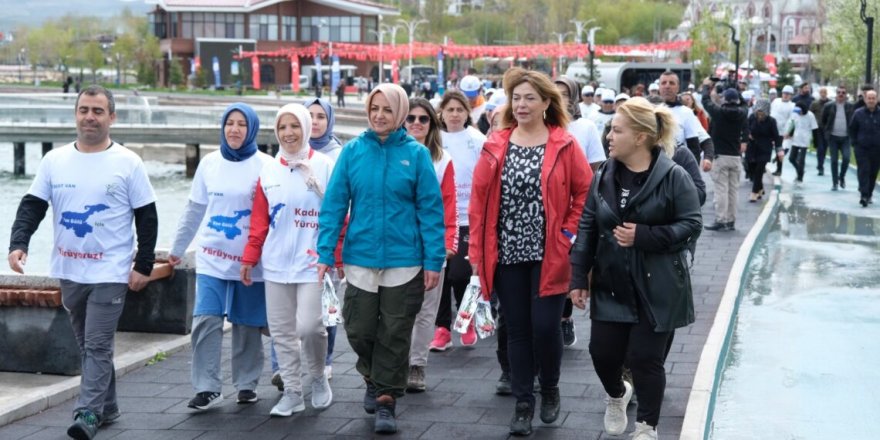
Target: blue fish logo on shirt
{"type": "Point", "coordinates": [227, 225]}
{"type": "Point", "coordinates": [77, 221]}
{"type": "Point", "coordinates": [274, 212]}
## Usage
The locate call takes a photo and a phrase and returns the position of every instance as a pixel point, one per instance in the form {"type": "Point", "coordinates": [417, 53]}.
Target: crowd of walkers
{"type": "Point", "coordinates": [544, 198]}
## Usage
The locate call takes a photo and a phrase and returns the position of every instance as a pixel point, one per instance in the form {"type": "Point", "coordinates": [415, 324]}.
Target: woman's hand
{"type": "Point", "coordinates": [449, 254]}
{"type": "Point", "coordinates": [625, 234]}
{"type": "Point", "coordinates": [322, 270]}
{"type": "Point", "coordinates": [173, 260]}
{"type": "Point", "coordinates": [431, 279]}
{"type": "Point", "coordinates": [474, 271]}
{"type": "Point", "coordinates": [245, 274]}
{"type": "Point", "coordinates": [579, 298]}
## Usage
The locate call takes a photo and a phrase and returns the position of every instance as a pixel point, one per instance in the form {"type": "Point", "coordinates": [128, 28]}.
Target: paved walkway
{"type": "Point", "coordinates": [460, 402]}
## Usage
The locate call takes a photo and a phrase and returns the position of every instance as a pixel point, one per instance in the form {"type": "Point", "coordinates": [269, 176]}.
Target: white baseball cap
{"type": "Point", "coordinates": [773, 91]}
{"type": "Point", "coordinates": [653, 86]}
{"type": "Point", "coordinates": [470, 85]}
{"type": "Point", "coordinates": [621, 97]}
{"type": "Point", "coordinates": [607, 96]}
{"type": "Point", "coordinates": [587, 90]}
{"type": "Point", "coordinates": [788, 89]}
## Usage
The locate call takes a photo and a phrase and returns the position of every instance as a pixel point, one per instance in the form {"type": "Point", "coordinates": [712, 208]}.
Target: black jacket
{"type": "Point", "coordinates": [729, 128]}
{"type": "Point", "coordinates": [652, 273]}
{"type": "Point", "coordinates": [829, 113]}
{"type": "Point", "coordinates": [762, 139]}
{"type": "Point", "coordinates": [864, 129]}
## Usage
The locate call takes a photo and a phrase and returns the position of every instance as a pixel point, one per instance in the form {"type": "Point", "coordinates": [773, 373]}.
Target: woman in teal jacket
{"type": "Point", "coordinates": [394, 245]}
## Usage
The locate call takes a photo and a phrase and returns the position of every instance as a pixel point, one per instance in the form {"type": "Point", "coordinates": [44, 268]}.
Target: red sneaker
{"type": "Point", "coordinates": [442, 340]}
{"type": "Point", "coordinates": [469, 338]}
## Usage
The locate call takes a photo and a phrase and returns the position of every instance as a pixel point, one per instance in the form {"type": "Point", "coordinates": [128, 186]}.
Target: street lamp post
{"type": "Point", "coordinates": [580, 27]}
{"type": "Point", "coordinates": [591, 41]}
{"type": "Point", "coordinates": [735, 42]}
{"type": "Point", "coordinates": [381, 34]}
{"type": "Point", "coordinates": [560, 36]}
{"type": "Point", "coordinates": [411, 26]}
{"type": "Point", "coordinates": [118, 68]}
{"type": "Point", "coordinates": [21, 59]}
{"type": "Point", "coordinates": [869, 22]}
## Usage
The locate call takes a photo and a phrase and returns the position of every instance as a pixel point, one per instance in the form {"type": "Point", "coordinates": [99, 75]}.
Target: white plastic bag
{"type": "Point", "coordinates": [483, 320]}
{"type": "Point", "coordinates": [331, 315]}
{"type": "Point", "coordinates": [468, 307]}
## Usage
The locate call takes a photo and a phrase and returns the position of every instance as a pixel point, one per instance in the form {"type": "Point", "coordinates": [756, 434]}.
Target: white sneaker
{"type": "Point", "coordinates": [289, 403]}
{"type": "Point", "coordinates": [615, 411]}
{"type": "Point", "coordinates": [322, 395]}
{"type": "Point", "coordinates": [328, 371]}
{"type": "Point", "coordinates": [644, 431]}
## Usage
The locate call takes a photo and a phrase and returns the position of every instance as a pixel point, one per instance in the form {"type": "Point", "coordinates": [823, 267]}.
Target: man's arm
{"type": "Point", "coordinates": [31, 211]}
{"type": "Point", "coordinates": [146, 223]}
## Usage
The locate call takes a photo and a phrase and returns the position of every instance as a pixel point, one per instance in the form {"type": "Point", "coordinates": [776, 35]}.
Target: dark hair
{"type": "Point", "coordinates": [95, 90]}
{"type": "Point", "coordinates": [460, 97]}
{"type": "Point", "coordinates": [432, 139]}
{"type": "Point", "coordinates": [555, 113]}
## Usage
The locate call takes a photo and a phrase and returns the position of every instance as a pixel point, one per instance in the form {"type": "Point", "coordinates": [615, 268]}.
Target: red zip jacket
{"type": "Point", "coordinates": [565, 183]}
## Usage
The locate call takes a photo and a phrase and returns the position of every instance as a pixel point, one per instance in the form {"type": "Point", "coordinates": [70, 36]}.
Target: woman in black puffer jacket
{"type": "Point", "coordinates": [641, 214]}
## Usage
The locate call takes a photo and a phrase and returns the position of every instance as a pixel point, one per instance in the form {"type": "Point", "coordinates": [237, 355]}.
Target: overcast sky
{"type": "Point", "coordinates": [16, 12]}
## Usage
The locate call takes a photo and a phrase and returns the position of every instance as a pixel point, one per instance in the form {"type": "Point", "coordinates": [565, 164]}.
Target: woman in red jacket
{"type": "Point", "coordinates": [529, 189]}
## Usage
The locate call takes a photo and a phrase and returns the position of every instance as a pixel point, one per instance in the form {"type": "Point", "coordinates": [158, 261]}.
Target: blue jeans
{"type": "Point", "coordinates": [838, 145]}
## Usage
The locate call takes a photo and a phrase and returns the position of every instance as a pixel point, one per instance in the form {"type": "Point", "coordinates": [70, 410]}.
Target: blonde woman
{"type": "Point", "coordinates": [641, 214]}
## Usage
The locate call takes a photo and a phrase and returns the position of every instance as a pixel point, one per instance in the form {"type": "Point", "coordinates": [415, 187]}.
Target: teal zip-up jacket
{"type": "Point", "coordinates": [396, 211]}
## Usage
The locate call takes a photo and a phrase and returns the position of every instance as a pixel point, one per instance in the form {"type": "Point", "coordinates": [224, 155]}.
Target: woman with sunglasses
{"type": "Point", "coordinates": [463, 142]}
{"type": "Point", "coordinates": [422, 124]}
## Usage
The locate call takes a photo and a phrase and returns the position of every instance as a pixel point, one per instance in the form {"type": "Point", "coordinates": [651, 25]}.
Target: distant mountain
{"type": "Point", "coordinates": [17, 12]}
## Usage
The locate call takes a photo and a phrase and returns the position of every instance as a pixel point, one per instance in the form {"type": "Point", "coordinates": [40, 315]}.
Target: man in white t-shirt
{"type": "Point", "coordinates": [806, 130]}
{"type": "Point", "coordinates": [97, 188]}
{"type": "Point", "coordinates": [588, 105]}
{"type": "Point", "coordinates": [780, 110]}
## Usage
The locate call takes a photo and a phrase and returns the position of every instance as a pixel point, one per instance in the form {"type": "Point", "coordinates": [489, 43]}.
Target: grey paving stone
{"type": "Point", "coordinates": [152, 421]}
{"type": "Point", "coordinates": [363, 428]}
{"type": "Point", "coordinates": [457, 431]}
{"type": "Point", "coordinates": [152, 434]}
{"type": "Point", "coordinates": [18, 430]}
{"type": "Point", "coordinates": [217, 421]}
{"type": "Point", "coordinates": [447, 414]}
{"type": "Point", "coordinates": [147, 404]}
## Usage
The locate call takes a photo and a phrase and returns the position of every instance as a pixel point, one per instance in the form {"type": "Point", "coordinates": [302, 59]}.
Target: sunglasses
{"type": "Point", "coordinates": [588, 94]}
{"type": "Point", "coordinates": [423, 119]}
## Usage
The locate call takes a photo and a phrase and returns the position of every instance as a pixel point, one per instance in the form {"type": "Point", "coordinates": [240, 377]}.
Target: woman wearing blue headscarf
{"type": "Point", "coordinates": [322, 138]}
{"type": "Point", "coordinates": [218, 217]}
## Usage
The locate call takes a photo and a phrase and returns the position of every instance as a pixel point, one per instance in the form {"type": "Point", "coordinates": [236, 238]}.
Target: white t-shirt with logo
{"type": "Point", "coordinates": [93, 198]}
{"type": "Point", "coordinates": [688, 126]}
{"type": "Point", "coordinates": [803, 129]}
{"type": "Point", "coordinates": [464, 147]}
{"type": "Point", "coordinates": [227, 189]}
{"type": "Point", "coordinates": [290, 250]}
{"type": "Point", "coordinates": [781, 112]}
{"type": "Point", "coordinates": [601, 120]}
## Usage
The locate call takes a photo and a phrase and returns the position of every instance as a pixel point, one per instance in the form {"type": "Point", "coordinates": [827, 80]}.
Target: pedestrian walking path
{"type": "Point", "coordinates": [460, 402]}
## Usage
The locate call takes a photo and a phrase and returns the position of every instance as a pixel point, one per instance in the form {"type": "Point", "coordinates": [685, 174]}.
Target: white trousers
{"type": "Point", "coordinates": [294, 314]}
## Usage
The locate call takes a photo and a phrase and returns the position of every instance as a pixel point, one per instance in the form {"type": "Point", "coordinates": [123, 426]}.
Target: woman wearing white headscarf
{"type": "Point", "coordinates": [283, 236]}
{"type": "Point", "coordinates": [394, 245]}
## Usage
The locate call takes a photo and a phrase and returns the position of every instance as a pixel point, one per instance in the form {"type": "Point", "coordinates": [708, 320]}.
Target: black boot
{"type": "Point", "coordinates": [385, 421]}
{"type": "Point", "coordinates": [549, 404]}
{"type": "Point", "coordinates": [521, 424]}
{"type": "Point", "coordinates": [370, 398]}
{"type": "Point", "coordinates": [717, 226]}
{"type": "Point", "coordinates": [730, 226]}
{"type": "Point", "coordinates": [503, 387]}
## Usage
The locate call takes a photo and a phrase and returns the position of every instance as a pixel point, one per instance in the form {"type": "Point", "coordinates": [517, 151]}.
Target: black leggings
{"type": "Point", "coordinates": [533, 333]}
{"type": "Point", "coordinates": [644, 350]}
{"type": "Point", "coordinates": [455, 281]}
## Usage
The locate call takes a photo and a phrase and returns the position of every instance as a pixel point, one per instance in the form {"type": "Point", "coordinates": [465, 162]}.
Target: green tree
{"type": "Point", "coordinates": [709, 40]}
{"type": "Point", "coordinates": [175, 73]}
{"type": "Point", "coordinates": [844, 42]}
{"type": "Point", "coordinates": [784, 74]}
{"type": "Point", "coordinates": [93, 58]}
